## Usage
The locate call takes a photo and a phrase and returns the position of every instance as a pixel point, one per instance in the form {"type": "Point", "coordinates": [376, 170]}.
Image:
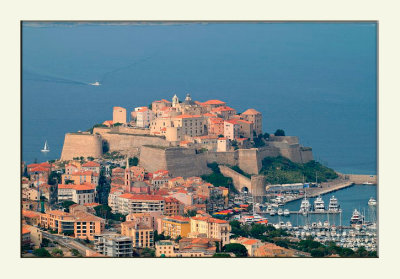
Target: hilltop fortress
{"type": "Point", "coordinates": [182, 137]}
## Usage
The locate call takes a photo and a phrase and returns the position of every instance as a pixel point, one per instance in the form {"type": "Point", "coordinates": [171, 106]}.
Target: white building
{"type": "Point", "coordinates": [79, 194]}
{"type": "Point", "coordinates": [113, 245]}
{"type": "Point", "coordinates": [144, 116]}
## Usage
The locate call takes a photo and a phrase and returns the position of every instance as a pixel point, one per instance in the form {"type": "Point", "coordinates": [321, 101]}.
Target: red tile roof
{"type": "Point", "coordinates": [187, 116]}
{"type": "Point", "coordinates": [251, 112]}
{"type": "Point", "coordinates": [91, 164]}
{"type": "Point", "coordinates": [214, 102]}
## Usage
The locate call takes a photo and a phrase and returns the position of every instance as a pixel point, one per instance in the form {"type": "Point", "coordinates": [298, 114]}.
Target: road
{"type": "Point", "coordinates": [68, 242]}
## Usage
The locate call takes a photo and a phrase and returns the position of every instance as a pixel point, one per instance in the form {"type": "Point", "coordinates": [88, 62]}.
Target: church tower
{"type": "Point", "coordinates": [127, 176]}
{"type": "Point", "coordinates": [175, 101]}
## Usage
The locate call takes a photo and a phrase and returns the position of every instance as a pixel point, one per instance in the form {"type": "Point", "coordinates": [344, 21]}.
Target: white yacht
{"type": "Point", "coordinates": [305, 206]}
{"type": "Point", "coordinates": [319, 205]}
{"type": "Point", "coordinates": [46, 147]}
{"type": "Point", "coordinates": [356, 218]}
{"type": "Point", "coordinates": [286, 212]}
{"type": "Point", "coordinates": [280, 212]}
{"type": "Point", "coordinates": [95, 83]}
{"type": "Point", "coordinates": [372, 201]}
{"type": "Point", "coordinates": [334, 205]}
{"type": "Point", "coordinates": [272, 212]}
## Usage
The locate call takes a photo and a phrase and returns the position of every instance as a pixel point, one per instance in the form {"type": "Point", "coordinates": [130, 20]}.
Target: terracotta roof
{"type": "Point", "coordinates": [30, 214]}
{"type": "Point", "coordinates": [214, 102]}
{"type": "Point", "coordinates": [241, 139]}
{"type": "Point", "coordinates": [77, 187]}
{"type": "Point", "coordinates": [25, 229]}
{"type": "Point", "coordinates": [208, 114]}
{"type": "Point", "coordinates": [207, 137]}
{"type": "Point", "coordinates": [165, 101]}
{"type": "Point", "coordinates": [184, 142]}
{"type": "Point", "coordinates": [91, 164]}
{"type": "Point", "coordinates": [39, 169]}
{"type": "Point", "coordinates": [143, 109]}
{"type": "Point", "coordinates": [225, 108]}
{"type": "Point", "coordinates": [251, 112]}
{"type": "Point", "coordinates": [244, 121]}
{"type": "Point", "coordinates": [216, 120]}
{"type": "Point", "coordinates": [93, 204]}
{"type": "Point", "coordinates": [85, 217]}
{"type": "Point", "coordinates": [222, 138]}
{"type": "Point", "coordinates": [250, 242]}
{"type": "Point", "coordinates": [232, 121]}
{"type": "Point", "coordinates": [108, 122]}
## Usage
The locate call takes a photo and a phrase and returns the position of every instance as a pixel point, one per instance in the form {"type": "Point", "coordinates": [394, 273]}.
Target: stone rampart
{"type": "Point", "coordinates": [223, 158]}
{"type": "Point", "coordinates": [249, 160]}
{"type": "Point", "coordinates": [178, 161]}
{"type": "Point", "coordinates": [81, 144]}
{"type": "Point", "coordinates": [123, 143]}
{"type": "Point", "coordinates": [239, 181]}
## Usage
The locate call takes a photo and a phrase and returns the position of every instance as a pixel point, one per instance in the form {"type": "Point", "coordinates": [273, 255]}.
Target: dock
{"type": "Point", "coordinates": [301, 213]}
{"type": "Point", "coordinates": [326, 187]}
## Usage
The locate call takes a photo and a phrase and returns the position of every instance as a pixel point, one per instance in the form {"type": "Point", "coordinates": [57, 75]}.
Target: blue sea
{"type": "Point", "coordinates": [317, 81]}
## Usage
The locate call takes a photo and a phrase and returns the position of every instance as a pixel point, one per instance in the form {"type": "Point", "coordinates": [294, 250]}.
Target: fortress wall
{"type": "Point", "coordinates": [127, 130]}
{"type": "Point", "coordinates": [79, 144]}
{"type": "Point", "coordinates": [152, 159]}
{"type": "Point", "coordinates": [239, 180]}
{"type": "Point", "coordinates": [101, 130]}
{"type": "Point", "coordinates": [306, 154]}
{"type": "Point", "coordinates": [185, 162]}
{"type": "Point", "coordinates": [125, 142]}
{"type": "Point", "coordinates": [258, 184]}
{"type": "Point", "coordinates": [223, 158]}
{"type": "Point", "coordinates": [249, 161]}
{"type": "Point", "coordinates": [287, 139]}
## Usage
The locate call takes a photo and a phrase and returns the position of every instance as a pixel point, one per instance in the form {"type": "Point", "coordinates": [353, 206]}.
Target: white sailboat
{"type": "Point", "coordinates": [46, 147]}
{"type": "Point", "coordinates": [95, 83]}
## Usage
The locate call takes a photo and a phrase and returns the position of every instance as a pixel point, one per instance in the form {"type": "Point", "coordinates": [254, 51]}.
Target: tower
{"type": "Point", "coordinates": [127, 176]}
{"type": "Point", "coordinates": [175, 101]}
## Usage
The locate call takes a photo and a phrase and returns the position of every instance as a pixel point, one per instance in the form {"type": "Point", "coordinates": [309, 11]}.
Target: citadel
{"type": "Point", "coordinates": [183, 136]}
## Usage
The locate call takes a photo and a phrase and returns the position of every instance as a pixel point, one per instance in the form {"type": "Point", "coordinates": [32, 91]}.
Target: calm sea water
{"type": "Point", "coordinates": [355, 197]}
{"type": "Point", "coordinates": [314, 80]}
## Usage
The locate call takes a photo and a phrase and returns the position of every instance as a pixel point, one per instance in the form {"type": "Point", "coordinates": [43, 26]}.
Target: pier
{"type": "Point", "coordinates": [326, 187]}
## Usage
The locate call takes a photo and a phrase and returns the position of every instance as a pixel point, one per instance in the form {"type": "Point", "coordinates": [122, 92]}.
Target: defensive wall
{"type": "Point", "coordinates": [255, 185]}
{"type": "Point", "coordinates": [81, 144]}
{"type": "Point", "coordinates": [180, 161]}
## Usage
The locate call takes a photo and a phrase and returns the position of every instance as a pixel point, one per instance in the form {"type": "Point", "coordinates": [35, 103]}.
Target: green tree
{"type": "Point", "coordinates": [103, 211]}
{"type": "Point", "coordinates": [257, 230]}
{"type": "Point", "coordinates": [178, 238]}
{"type": "Point", "coordinates": [133, 161]}
{"type": "Point", "coordinates": [54, 178]}
{"type": "Point", "coordinates": [239, 250]}
{"type": "Point", "coordinates": [41, 253]}
{"type": "Point", "coordinates": [220, 136]}
{"type": "Point", "coordinates": [69, 181]}
{"type": "Point", "coordinates": [57, 252]}
{"type": "Point", "coordinates": [279, 133]}
{"type": "Point", "coordinates": [191, 213]}
{"type": "Point", "coordinates": [67, 204]}
{"type": "Point", "coordinates": [90, 158]}
{"type": "Point", "coordinates": [76, 253]}
{"type": "Point", "coordinates": [147, 253]}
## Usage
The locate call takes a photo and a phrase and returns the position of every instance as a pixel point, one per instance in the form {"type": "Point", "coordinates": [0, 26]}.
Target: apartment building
{"type": "Point", "coordinates": [113, 245]}
{"type": "Point", "coordinates": [210, 227]}
{"type": "Point", "coordinates": [129, 203]}
{"type": "Point", "coordinates": [175, 226]}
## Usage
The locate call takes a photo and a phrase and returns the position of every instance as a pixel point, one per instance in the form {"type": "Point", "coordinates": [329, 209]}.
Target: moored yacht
{"type": "Point", "coordinates": [286, 212]}
{"type": "Point", "coordinates": [319, 205]}
{"type": "Point", "coordinates": [305, 206]}
{"type": "Point", "coordinates": [280, 212]}
{"type": "Point", "coordinates": [356, 218]}
{"type": "Point", "coordinates": [334, 205]}
{"type": "Point", "coordinates": [372, 201]}
{"type": "Point", "coordinates": [272, 212]}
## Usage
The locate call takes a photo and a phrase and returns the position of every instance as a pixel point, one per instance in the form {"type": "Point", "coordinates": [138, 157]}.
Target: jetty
{"type": "Point", "coordinates": [325, 187]}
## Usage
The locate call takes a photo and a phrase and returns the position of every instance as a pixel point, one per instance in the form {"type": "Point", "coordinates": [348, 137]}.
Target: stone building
{"type": "Point", "coordinates": [119, 115]}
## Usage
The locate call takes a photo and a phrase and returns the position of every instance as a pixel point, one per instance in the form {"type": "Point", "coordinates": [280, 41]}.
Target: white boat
{"type": "Point", "coordinates": [367, 183]}
{"type": "Point", "coordinates": [334, 205]}
{"type": "Point", "coordinates": [95, 83]}
{"type": "Point", "coordinates": [356, 218]}
{"type": "Point", "coordinates": [305, 206]}
{"type": "Point", "coordinates": [272, 212]}
{"type": "Point", "coordinates": [286, 212]}
{"type": "Point", "coordinates": [288, 225]}
{"type": "Point", "coordinates": [280, 212]}
{"type": "Point", "coordinates": [319, 205]}
{"type": "Point", "coordinates": [372, 201]}
{"type": "Point", "coordinates": [46, 147]}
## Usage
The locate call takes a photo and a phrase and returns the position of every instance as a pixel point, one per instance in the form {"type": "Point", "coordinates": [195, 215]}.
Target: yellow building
{"type": "Point", "coordinates": [141, 234]}
{"type": "Point", "coordinates": [175, 226]}
{"type": "Point", "coordinates": [202, 226]}
{"type": "Point", "coordinates": [165, 248]}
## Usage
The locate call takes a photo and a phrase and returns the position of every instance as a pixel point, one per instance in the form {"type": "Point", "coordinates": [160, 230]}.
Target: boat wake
{"type": "Point", "coordinates": [29, 75]}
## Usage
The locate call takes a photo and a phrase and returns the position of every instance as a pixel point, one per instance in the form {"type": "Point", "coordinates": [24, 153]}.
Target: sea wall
{"type": "Point", "coordinates": [359, 178]}
{"type": "Point", "coordinates": [152, 159]}
{"type": "Point", "coordinates": [81, 144]}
